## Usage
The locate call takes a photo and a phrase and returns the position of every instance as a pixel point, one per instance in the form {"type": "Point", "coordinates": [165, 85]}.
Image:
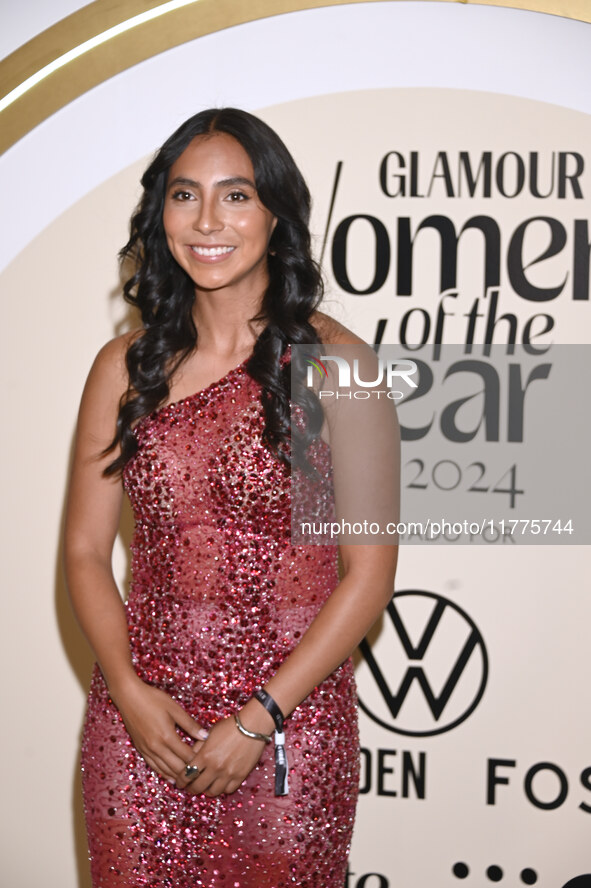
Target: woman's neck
{"type": "Point", "coordinates": [225, 326]}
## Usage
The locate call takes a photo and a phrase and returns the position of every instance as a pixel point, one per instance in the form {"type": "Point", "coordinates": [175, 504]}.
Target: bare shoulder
{"type": "Point", "coordinates": [331, 332]}
{"type": "Point", "coordinates": [107, 383]}
{"type": "Point", "coordinates": [109, 369]}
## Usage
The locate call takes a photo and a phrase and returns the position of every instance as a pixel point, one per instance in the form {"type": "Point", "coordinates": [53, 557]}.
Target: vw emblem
{"type": "Point", "coordinates": [427, 671]}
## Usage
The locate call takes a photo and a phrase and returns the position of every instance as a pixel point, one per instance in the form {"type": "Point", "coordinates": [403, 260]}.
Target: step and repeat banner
{"type": "Point", "coordinates": [447, 151]}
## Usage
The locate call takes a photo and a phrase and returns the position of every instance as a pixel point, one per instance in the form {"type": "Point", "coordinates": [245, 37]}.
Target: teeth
{"type": "Point", "coordinates": [212, 251]}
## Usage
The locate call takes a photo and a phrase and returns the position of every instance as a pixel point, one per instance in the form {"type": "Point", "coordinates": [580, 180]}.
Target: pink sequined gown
{"type": "Point", "coordinates": [219, 598]}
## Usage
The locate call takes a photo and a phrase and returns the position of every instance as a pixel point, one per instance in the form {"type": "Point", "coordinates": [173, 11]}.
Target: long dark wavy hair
{"type": "Point", "coordinates": [164, 293]}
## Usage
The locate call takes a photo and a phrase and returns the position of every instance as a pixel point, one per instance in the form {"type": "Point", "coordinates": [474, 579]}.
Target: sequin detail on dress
{"type": "Point", "coordinates": [219, 598]}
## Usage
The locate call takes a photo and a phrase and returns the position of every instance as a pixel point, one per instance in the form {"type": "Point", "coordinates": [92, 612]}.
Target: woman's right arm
{"type": "Point", "coordinates": [92, 521]}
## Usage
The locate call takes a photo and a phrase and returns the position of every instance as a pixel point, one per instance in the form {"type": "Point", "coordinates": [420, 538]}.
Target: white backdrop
{"type": "Point", "coordinates": [348, 83]}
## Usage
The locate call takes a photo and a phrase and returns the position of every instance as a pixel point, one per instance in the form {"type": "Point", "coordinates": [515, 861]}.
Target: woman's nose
{"type": "Point", "coordinates": [207, 219]}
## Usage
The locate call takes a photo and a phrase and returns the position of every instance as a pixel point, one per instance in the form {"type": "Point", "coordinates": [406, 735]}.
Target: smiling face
{"type": "Point", "coordinates": [216, 227]}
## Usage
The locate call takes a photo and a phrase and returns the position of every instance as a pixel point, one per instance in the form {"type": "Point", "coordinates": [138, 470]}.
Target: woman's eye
{"type": "Point", "coordinates": [237, 196]}
{"type": "Point", "coordinates": [182, 195]}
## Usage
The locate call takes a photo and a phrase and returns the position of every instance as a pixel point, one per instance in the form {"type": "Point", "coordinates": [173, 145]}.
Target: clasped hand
{"type": "Point", "coordinates": [224, 761]}
{"type": "Point", "coordinates": [223, 756]}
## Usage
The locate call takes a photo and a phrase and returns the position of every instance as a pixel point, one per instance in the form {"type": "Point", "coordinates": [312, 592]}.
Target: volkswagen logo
{"type": "Point", "coordinates": [427, 671]}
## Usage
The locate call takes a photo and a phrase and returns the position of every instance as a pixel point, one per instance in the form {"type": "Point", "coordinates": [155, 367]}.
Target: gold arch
{"type": "Point", "coordinates": [146, 28]}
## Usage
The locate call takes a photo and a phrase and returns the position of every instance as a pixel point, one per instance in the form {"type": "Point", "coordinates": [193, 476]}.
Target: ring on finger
{"type": "Point", "coordinates": [192, 772]}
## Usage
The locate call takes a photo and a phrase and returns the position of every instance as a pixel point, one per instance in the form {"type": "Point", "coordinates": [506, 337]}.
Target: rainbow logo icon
{"type": "Point", "coordinates": [317, 364]}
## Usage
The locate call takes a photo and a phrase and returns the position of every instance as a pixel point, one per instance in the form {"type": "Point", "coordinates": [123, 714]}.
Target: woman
{"type": "Point", "coordinates": [193, 413]}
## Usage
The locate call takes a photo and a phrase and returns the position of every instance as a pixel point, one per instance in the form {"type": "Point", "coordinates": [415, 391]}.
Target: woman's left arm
{"type": "Point", "coordinates": [364, 440]}
{"type": "Point", "coordinates": [350, 612]}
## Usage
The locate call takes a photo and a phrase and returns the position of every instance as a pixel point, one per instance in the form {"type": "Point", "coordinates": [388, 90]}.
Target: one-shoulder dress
{"type": "Point", "coordinates": [219, 597]}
